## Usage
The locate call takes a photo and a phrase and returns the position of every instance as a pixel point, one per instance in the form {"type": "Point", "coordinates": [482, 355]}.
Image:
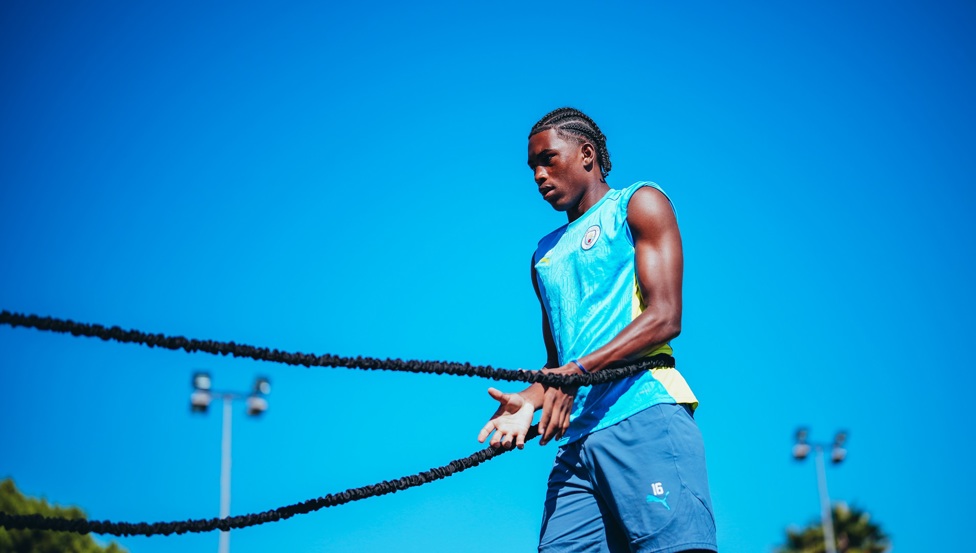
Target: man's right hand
{"type": "Point", "coordinates": [510, 422]}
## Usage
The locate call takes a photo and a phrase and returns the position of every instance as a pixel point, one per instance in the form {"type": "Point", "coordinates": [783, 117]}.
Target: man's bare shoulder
{"type": "Point", "coordinates": [650, 210]}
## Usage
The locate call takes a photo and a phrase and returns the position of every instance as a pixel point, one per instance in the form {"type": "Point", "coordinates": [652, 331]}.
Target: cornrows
{"type": "Point", "coordinates": [577, 124]}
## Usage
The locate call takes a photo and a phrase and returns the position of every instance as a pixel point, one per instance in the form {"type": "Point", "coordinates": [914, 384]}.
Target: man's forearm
{"type": "Point", "coordinates": [644, 334]}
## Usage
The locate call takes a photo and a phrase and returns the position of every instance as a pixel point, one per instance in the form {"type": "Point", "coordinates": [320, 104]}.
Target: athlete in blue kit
{"type": "Point", "coordinates": [629, 475]}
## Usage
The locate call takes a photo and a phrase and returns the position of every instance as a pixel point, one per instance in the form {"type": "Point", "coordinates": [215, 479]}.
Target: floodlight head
{"type": "Point", "coordinates": [801, 435]}
{"type": "Point", "coordinates": [201, 381]}
{"type": "Point", "coordinates": [840, 439]}
{"type": "Point", "coordinates": [838, 454]}
{"type": "Point", "coordinates": [800, 451]}
{"type": "Point", "coordinates": [262, 386]}
{"type": "Point", "coordinates": [199, 401]}
{"type": "Point", "coordinates": [256, 405]}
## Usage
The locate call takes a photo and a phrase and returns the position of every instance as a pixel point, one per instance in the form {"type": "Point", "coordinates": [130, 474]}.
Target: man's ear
{"type": "Point", "coordinates": [589, 155]}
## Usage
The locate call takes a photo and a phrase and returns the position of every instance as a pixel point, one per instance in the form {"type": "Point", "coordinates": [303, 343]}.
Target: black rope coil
{"type": "Point", "coordinates": [616, 372]}
{"type": "Point", "coordinates": [84, 526]}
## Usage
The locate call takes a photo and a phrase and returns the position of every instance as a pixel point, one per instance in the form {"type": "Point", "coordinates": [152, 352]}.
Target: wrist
{"type": "Point", "coordinates": [580, 366]}
{"type": "Point", "coordinates": [592, 362]}
{"type": "Point", "coordinates": [533, 396]}
{"type": "Point", "coordinates": [588, 364]}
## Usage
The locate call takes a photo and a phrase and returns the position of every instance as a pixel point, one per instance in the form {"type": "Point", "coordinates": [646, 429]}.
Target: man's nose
{"type": "Point", "coordinates": [540, 175]}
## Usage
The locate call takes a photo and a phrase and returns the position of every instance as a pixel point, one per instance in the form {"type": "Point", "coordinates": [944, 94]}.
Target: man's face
{"type": "Point", "coordinates": [558, 164]}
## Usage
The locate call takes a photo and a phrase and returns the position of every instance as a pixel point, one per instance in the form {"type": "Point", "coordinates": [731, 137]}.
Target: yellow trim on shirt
{"type": "Point", "coordinates": [670, 378]}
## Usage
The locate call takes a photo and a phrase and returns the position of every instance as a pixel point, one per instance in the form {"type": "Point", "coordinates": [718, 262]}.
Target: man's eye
{"type": "Point", "coordinates": [542, 160]}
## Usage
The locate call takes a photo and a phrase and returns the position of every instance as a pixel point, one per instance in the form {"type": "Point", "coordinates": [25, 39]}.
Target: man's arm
{"type": "Point", "coordinates": [659, 264]}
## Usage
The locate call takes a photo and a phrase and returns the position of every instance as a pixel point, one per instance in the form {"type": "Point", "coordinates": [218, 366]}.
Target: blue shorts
{"type": "Point", "coordinates": [637, 486]}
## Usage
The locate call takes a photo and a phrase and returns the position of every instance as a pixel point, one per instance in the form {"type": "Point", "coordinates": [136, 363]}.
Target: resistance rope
{"type": "Point", "coordinates": [84, 526]}
{"type": "Point", "coordinates": [620, 370]}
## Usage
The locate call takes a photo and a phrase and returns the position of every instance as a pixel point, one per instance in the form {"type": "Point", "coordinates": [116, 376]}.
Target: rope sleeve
{"type": "Point", "coordinates": [67, 326]}
{"type": "Point", "coordinates": [84, 526]}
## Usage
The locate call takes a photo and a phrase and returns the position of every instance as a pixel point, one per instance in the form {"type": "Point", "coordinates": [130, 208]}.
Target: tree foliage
{"type": "Point", "coordinates": [43, 541]}
{"type": "Point", "coordinates": [853, 532]}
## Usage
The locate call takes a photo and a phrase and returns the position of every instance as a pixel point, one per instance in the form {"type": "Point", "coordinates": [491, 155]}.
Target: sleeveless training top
{"type": "Point", "coordinates": [588, 285]}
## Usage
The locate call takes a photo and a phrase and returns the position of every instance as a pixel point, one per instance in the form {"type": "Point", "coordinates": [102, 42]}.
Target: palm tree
{"type": "Point", "coordinates": [853, 530]}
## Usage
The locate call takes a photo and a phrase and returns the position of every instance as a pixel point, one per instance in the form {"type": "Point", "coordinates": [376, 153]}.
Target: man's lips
{"type": "Point", "coordinates": [547, 191]}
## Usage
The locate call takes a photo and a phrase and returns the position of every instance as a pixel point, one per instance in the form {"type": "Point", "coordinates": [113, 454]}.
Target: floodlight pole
{"type": "Point", "coordinates": [800, 451]}
{"type": "Point", "coordinates": [826, 519]}
{"type": "Point", "coordinates": [225, 460]}
{"type": "Point", "coordinates": [257, 404]}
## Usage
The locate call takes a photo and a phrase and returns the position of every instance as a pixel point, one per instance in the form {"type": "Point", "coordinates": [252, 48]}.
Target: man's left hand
{"type": "Point", "coordinates": [557, 406]}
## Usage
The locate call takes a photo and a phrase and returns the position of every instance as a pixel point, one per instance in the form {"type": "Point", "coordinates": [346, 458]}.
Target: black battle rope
{"type": "Point", "coordinates": [619, 370]}
{"type": "Point", "coordinates": [84, 526]}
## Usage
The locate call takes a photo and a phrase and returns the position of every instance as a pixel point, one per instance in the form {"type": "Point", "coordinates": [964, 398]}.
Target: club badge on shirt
{"type": "Point", "coordinates": [590, 237]}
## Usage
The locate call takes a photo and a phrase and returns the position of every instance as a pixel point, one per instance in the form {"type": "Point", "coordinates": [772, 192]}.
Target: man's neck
{"type": "Point", "coordinates": [594, 193]}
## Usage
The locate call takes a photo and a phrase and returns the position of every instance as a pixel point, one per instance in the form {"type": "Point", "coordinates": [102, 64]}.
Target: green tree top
{"type": "Point", "coordinates": [43, 541]}
{"type": "Point", "coordinates": [853, 531]}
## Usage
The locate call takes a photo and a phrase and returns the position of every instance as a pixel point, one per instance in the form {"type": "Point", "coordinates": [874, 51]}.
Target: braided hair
{"type": "Point", "coordinates": [573, 123]}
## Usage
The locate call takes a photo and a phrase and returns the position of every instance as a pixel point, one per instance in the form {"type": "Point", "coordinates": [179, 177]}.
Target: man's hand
{"type": "Point", "coordinates": [510, 422]}
{"type": "Point", "coordinates": [557, 406]}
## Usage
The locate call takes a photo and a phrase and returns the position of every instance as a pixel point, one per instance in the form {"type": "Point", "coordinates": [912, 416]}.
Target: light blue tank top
{"type": "Point", "coordinates": [588, 286]}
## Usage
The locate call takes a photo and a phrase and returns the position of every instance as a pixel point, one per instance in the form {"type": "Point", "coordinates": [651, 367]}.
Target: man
{"type": "Point", "coordinates": [630, 471]}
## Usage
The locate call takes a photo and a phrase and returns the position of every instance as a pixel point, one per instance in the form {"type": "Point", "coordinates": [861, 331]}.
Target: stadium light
{"type": "Point", "coordinates": [200, 398]}
{"type": "Point", "coordinates": [262, 386]}
{"type": "Point", "coordinates": [837, 452]}
{"type": "Point", "coordinates": [201, 381]}
{"type": "Point", "coordinates": [801, 449]}
{"type": "Point", "coordinates": [256, 403]}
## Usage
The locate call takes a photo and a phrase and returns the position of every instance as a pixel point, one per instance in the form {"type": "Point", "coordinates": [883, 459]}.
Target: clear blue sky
{"type": "Point", "coordinates": [351, 180]}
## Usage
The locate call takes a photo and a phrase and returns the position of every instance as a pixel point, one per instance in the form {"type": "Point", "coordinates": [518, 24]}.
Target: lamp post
{"type": "Point", "coordinates": [257, 403]}
{"type": "Point", "coordinates": [801, 449]}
